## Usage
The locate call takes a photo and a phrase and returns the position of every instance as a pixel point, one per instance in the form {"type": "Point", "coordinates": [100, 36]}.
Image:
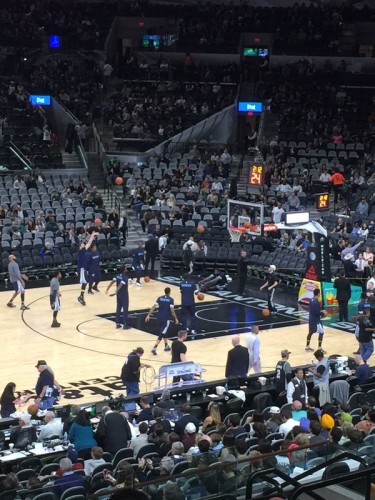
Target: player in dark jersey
{"type": "Point", "coordinates": [82, 256]}
{"type": "Point", "coordinates": [270, 284]}
{"type": "Point", "coordinates": [139, 261]}
{"type": "Point", "coordinates": [93, 269]}
{"type": "Point", "coordinates": [122, 299]}
{"type": "Point", "coordinates": [187, 289]}
{"type": "Point", "coordinates": [166, 312]}
{"type": "Point", "coordinates": [55, 298]}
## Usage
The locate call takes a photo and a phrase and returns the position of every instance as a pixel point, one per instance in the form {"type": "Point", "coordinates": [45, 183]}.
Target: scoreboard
{"type": "Point", "coordinates": [322, 201]}
{"type": "Point", "coordinates": [256, 174]}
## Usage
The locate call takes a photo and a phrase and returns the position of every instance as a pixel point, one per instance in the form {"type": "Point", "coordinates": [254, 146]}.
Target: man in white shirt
{"type": "Point", "coordinates": [216, 185]}
{"type": "Point", "coordinates": [325, 177]}
{"type": "Point", "coordinates": [226, 157]}
{"type": "Point", "coordinates": [284, 188]}
{"type": "Point", "coordinates": [52, 427]}
{"type": "Point", "coordinates": [277, 212]}
{"type": "Point", "coordinates": [288, 422]}
{"type": "Point", "coordinates": [194, 246]}
{"type": "Point", "coordinates": [253, 346]}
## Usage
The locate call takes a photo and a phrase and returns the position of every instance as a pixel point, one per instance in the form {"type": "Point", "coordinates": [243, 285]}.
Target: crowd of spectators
{"type": "Point", "coordinates": [162, 109]}
{"type": "Point", "coordinates": [126, 451]}
{"type": "Point", "coordinates": [81, 25]}
{"type": "Point", "coordinates": [44, 218]}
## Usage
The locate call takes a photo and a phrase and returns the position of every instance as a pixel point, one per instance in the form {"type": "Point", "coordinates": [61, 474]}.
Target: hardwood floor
{"type": "Point", "coordinates": [87, 352]}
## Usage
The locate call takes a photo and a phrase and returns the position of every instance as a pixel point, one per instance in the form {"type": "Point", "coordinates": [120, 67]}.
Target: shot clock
{"type": "Point", "coordinates": [322, 201]}
{"type": "Point", "coordinates": [256, 174]}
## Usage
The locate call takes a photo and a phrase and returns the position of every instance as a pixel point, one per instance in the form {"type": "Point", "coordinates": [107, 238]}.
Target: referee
{"type": "Point", "coordinates": [55, 298]}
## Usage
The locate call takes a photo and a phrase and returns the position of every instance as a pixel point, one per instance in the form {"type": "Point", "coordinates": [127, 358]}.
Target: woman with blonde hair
{"type": "Point", "coordinates": [214, 416]}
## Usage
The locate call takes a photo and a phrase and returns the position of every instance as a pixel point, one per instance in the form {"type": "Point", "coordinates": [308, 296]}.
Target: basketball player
{"type": "Point", "coordinates": [253, 346]}
{"type": "Point", "coordinates": [18, 282]}
{"type": "Point", "coordinates": [94, 269]}
{"type": "Point", "coordinates": [315, 324]}
{"type": "Point", "coordinates": [139, 262]}
{"type": "Point", "coordinates": [271, 284]}
{"type": "Point", "coordinates": [122, 299]}
{"type": "Point", "coordinates": [187, 289]}
{"type": "Point", "coordinates": [166, 313]}
{"type": "Point", "coordinates": [82, 266]}
{"type": "Point", "coordinates": [54, 296]}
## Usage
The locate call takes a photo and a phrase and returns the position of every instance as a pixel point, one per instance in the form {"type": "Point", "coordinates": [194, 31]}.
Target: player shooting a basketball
{"type": "Point", "coordinates": [270, 285]}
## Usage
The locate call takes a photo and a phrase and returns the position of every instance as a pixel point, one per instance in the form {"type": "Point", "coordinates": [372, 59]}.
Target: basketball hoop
{"type": "Point", "coordinates": [235, 235]}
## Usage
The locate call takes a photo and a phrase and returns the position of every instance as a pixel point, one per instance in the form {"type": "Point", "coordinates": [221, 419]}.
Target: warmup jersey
{"type": "Point", "coordinates": [138, 257]}
{"type": "Point", "coordinates": [123, 293]}
{"type": "Point", "coordinates": [82, 259]}
{"type": "Point", "coordinates": [93, 262]}
{"type": "Point", "coordinates": [187, 290]}
{"type": "Point", "coordinates": [165, 304]}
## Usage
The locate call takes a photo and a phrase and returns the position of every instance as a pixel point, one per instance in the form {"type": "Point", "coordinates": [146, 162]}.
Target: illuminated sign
{"type": "Point", "coordinates": [249, 107]}
{"type": "Point", "coordinates": [40, 100]}
{"type": "Point", "coordinates": [256, 175]}
{"type": "Point", "coordinates": [322, 201]}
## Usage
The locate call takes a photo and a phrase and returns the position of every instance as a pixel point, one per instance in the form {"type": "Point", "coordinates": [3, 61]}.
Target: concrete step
{"type": "Point", "coordinates": [71, 160]}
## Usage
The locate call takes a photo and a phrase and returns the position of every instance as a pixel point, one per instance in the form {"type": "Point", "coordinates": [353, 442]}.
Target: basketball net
{"type": "Point", "coordinates": [235, 235]}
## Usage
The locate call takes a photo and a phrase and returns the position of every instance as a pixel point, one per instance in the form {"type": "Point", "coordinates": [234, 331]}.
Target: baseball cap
{"type": "Point", "coordinates": [72, 453]}
{"type": "Point", "coordinates": [285, 352]}
{"type": "Point", "coordinates": [190, 428]}
{"type": "Point", "coordinates": [40, 362]}
{"type": "Point", "coordinates": [275, 410]}
{"type": "Point", "coordinates": [273, 267]}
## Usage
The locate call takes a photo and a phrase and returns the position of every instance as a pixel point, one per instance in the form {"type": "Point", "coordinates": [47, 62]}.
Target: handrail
{"type": "Point", "coordinates": [365, 473]}
{"type": "Point", "coordinates": [82, 154]}
{"type": "Point", "coordinates": [21, 156]}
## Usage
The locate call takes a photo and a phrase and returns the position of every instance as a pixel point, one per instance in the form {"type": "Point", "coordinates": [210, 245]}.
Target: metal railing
{"type": "Point", "coordinates": [275, 480]}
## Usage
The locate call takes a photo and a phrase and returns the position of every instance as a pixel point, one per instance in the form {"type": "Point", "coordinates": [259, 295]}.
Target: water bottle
{"type": "Point", "coordinates": [65, 437]}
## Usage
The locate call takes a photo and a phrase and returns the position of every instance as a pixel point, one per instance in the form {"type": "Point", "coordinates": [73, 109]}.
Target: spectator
{"type": "Point", "coordinates": [52, 427]}
{"type": "Point", "coordinates": [141, 440]}
{"type": "Point", "coordinates": [81, 434]}
{"type": "Point", "coordinates": [68, 480]}
{"type": "Point", "coordinates": [95, 460]}
{"type": "Point", "coordinates": [185, 419]}
{"type": "Point", "coordinates": [113, 431]}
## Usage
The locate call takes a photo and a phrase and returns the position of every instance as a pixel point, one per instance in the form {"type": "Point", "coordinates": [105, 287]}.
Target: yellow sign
{"type": "Point", "coordinates": [306, 291]}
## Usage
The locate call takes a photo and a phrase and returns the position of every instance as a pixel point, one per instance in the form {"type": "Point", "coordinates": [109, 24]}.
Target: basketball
{"type": "Point", "coordinates": [243, 229]}
{"type": "Point", "coordinates": [97, 222]}
{"type": "Point", "coordinates": [147, 279]}
{"type": "Point", "coordinates": [247, 225]}
{"type": "Point", "coordinates": [119, 181]}
{"type": "Point", "coordinates": [200, 296]}
{"type": "Point", "coordinates": [266, 312]}
{"type": "Point", "coordinates": [200, 229]}
{"type": "Point", "coordinates": [33, 409]}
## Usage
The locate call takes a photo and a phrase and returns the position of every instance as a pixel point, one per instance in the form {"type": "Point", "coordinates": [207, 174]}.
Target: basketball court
{"type": "Point", "coordinates": [87, 352]}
